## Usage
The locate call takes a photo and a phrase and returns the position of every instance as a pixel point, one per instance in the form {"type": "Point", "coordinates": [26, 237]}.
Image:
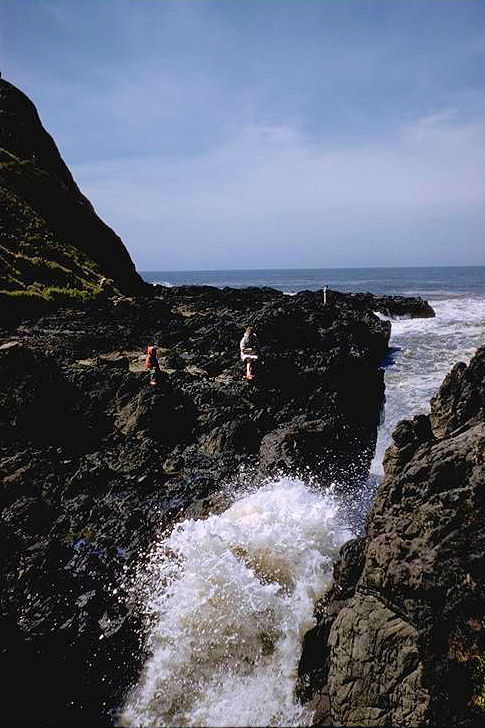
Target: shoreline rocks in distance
{"type": "Point", "coordinates": [392, 306]}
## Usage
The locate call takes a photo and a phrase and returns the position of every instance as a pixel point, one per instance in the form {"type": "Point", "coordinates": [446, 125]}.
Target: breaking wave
{"type": "Point", "coordinates": [422, 352]}
{"type": "Point", "coordinates": [227, 602]}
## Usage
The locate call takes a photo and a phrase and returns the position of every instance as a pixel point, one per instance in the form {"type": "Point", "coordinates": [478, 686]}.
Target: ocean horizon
{"type": "Point", "coordinates": [432, 281]}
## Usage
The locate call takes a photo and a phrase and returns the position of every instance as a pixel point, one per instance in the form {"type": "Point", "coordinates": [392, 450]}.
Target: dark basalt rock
{"type": "Point", "coordinates": [95, 461]}
{"type": "Point", "coordinates": [404, 642]}
{"type": "Point", "coordinates": [461, 399]}
{"type": "Point", "coordinates": [113, 361]}
{"type": "Point", "coordinates": [392, 306]}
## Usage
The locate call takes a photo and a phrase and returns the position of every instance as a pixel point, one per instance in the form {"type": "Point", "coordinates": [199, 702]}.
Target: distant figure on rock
{"type": "Point", "coordinates": [249, 348]}
{"type": "Point", "coordinates": [151, 363]}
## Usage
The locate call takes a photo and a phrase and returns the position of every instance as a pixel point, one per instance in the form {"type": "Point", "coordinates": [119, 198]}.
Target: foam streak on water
{"type": "Point", "coordinates": [229, 599]}
{"type": "Point", "coordinates": [424, 351]}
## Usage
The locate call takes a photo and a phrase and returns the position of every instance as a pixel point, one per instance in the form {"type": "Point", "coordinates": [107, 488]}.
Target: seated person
{"type": "Point", "coordinates": [249, 349]}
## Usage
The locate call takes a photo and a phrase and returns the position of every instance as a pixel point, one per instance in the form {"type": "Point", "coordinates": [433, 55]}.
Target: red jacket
{"type": "Point", "coordinates": [151, 362]}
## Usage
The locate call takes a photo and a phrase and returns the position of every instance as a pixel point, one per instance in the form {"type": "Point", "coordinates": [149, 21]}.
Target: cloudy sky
{"type": "Point", "coordinates": [266, 133]}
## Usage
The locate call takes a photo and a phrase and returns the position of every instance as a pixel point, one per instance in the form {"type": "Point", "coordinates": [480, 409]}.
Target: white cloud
{"type": "Point", "coordinates": [270, 197]}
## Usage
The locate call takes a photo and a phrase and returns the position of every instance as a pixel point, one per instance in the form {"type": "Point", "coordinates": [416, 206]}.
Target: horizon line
{"type": "Point", "coordinates": [257, 270]}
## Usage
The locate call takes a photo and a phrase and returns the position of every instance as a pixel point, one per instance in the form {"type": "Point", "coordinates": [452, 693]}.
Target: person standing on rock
{"type": "Point", "coordinates": [249, 349]}
{"type": "Point", "coordinates": [152, 364]}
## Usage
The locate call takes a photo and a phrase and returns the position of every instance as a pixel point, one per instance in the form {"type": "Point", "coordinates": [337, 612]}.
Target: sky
{"type": "Point", "coordinates": [225, 134]}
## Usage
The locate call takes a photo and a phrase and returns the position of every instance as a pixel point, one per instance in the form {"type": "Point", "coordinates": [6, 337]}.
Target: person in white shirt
{"type": "Point", "coordinates": [249, 349]}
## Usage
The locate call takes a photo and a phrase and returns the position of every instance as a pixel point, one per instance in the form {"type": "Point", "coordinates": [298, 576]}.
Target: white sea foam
{"type": "Point", "coordinates": [424, 352]}
{"type": "Point", "coordinates": [228, 600]}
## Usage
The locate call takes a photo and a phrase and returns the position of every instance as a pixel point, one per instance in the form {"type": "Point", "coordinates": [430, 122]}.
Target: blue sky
{"type": "Point", "coordinates": [266, 133]}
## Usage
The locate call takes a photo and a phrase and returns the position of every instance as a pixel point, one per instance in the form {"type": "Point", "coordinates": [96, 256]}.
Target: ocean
{"type": "Point", "coordinates": [436, 282]}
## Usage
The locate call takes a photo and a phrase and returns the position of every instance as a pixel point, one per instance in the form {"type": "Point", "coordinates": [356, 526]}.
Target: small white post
{"type": "Point", "coordinates": [325, 295]}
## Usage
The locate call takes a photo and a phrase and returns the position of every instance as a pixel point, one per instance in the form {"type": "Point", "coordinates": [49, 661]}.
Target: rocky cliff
{"type": "Point", "coordinates": [401, 639]}
{"type": "Point", "coordinates": [53, 246]}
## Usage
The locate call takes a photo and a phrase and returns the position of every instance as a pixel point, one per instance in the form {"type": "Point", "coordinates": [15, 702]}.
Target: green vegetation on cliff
{"type": "Point", "coordinates": [53, 247]}
{"type": "Point", "coordinates": [33, 259]}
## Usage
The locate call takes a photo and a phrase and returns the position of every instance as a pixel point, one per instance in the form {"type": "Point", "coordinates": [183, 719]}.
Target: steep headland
{"type": "Point", "coordinates": [53, 246]}
{"type": "Point", "coordinates": [401, 640]}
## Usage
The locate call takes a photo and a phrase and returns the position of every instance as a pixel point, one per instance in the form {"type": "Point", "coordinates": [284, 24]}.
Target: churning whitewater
{"type": "Point", "coordinates": [423, 351]}
{"type": "Point", "coordinates": [227, 601]}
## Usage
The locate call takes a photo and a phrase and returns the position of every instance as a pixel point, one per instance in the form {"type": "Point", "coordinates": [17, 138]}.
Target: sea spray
{"type": "Point", "coordinates": [227, 601]}
{"type": "Point", "coordinates": [423, 351]}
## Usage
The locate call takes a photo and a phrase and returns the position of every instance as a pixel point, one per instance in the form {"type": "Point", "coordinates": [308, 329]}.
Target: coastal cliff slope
{"type": "Point", "coordinates": [401, 640]}
{"type": "Point", "coordinates": [53, 246]}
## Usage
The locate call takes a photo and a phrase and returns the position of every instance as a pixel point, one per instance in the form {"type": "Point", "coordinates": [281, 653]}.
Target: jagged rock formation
{"type": "Point", "coordinates": [53, 246]}
{"type": "Point", "coordinates": [401, 640]}
{"type": "Point", "coordinates": [93, 460]}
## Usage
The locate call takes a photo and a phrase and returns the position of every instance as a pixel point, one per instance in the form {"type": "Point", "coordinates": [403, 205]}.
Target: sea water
{"type": "Point", "coordinates": [422, 352]}
{"type": "Point", "coordinates": [227, 600]}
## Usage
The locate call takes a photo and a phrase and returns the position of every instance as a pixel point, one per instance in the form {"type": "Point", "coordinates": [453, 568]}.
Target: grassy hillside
{"type": "Point", "coordinates": [53, 247]}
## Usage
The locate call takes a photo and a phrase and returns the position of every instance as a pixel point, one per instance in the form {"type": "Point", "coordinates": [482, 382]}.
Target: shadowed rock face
{"type": "Point", "coordinates": [94, 461]}
{"type": "Point", "coordinates": [50, 234]}
{"type": "Point", "coordinates": [402, 642]}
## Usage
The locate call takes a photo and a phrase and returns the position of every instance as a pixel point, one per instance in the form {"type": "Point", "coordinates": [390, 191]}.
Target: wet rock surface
{"type": "Point", "coordinates": [401, 639]}
{"type": "Point", "coordinates": [94, 461]}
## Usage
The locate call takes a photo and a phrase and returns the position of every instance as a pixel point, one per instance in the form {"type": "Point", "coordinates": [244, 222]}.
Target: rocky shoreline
{"type": "Point", "coordinates": [93, 460]}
